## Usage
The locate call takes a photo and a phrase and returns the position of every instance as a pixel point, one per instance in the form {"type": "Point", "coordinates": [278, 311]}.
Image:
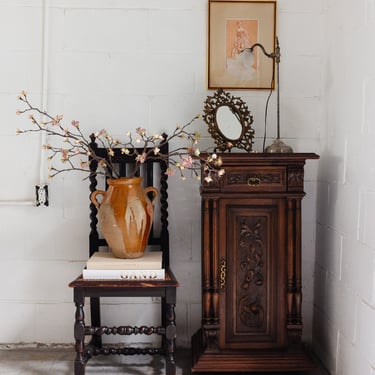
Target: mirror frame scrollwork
{"type": "Point", "coordinates": [240, 110]}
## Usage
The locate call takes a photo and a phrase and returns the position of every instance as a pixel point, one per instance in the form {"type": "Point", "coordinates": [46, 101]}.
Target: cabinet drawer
{"type": "Point", "coordinates": [254, 179]}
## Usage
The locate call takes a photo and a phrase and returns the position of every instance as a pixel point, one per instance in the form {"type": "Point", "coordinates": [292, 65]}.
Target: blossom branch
{"type": "Point", "coordinates": [140, 145]}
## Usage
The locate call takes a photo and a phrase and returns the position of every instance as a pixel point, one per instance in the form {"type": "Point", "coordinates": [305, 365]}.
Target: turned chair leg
{"type": "Point", "coordinates": [170, 340]}
{"type": "Point", "coordinates": [79, 334]}
{"type": "Point", "coordinates": [95, 341]}
{"type": "Point", "coordinates": [79, 368]}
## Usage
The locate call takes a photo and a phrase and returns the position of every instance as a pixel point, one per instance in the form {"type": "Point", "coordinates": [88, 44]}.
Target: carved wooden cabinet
{"type": "Point", "coordinates": [251, 266]}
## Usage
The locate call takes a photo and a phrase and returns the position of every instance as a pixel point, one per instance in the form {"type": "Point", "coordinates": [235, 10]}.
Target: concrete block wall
{"type": "Point", "coordinates": [344, 304]}
{"type": "Point", "coordinates": [120, 64]}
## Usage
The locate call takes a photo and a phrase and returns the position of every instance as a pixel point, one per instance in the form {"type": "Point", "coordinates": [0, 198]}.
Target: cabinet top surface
{"type": "Point", "coordinates": [269, 158]}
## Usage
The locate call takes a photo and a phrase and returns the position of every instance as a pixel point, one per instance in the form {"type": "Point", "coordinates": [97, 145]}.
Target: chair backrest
{"type": "Point", "coordinates": [154, 174]}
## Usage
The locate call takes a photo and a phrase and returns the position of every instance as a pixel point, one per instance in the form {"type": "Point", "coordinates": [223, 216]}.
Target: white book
{"type": "Point", "coordinates": [151, 260]}
{"type": "Point", "coordinates": [124, 274]}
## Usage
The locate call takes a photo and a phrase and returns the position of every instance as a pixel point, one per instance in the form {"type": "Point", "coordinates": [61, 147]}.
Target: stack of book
{"type": "Point", "coordinates": [104, 266]}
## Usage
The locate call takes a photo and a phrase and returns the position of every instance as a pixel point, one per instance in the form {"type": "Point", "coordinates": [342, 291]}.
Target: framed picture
{"type": "Point", "coordinates": [234, 26]}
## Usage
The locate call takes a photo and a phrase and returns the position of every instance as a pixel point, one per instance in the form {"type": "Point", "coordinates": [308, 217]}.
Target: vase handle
{"type": "Point", "coordinates": [93, 197]}
{"type": "Point", "coordinates": [154, 191]}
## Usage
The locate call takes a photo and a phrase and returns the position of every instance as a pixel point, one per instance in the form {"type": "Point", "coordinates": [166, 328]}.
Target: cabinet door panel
{"type": "Point", "coordinates": [252, 302]}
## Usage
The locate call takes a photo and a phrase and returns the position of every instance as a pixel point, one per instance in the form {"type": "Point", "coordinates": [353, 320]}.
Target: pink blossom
{"type": "Point", "coordinates": [141, 158]}
{"type": "Point", "coordinates": [57, 119]}
{"type": "Point", "coordinates": [208, 179]}
{"type": "Point", "coordinates": [169, 172]}
{"type": "Point", "coordinates": [64, 154]}
{"type": "Point", "coordinates": [140, 131]}
{"type": "Point", "coordinates": [100, 133]}
{"type": "Point", "coordinates": [156, 150]}
{"type": "Point", "coordinates": [75, 123]}
{"type": "Point", "coordinates": [186, 161]}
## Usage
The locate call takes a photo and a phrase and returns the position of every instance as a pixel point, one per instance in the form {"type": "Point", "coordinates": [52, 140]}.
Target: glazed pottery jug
{"type": "Point", "coordinates": [125, 215]}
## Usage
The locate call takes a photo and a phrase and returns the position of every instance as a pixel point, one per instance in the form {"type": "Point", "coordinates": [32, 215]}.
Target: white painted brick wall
{"type": "Point", "coordinates": [344, 313]}
{"type": "Point", "coordinates": [119, 64]}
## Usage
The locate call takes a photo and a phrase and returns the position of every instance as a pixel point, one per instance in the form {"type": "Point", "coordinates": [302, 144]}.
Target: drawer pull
{"type": "Point", "coordinates": [253, 181]}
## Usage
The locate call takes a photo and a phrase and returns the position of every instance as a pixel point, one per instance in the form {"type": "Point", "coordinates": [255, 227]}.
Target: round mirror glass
{"type": "Point", "coordinates": [228, 123]}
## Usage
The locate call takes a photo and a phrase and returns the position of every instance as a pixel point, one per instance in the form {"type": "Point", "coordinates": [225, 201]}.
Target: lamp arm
{"type": "Point", "coordinates": [270, 55]}
{"type": "Point", "coordinates": [274, 55]}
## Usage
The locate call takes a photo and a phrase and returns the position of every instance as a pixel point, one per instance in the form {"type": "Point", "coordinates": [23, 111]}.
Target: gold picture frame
{"type": "Point", "coordinates": [232, 27]}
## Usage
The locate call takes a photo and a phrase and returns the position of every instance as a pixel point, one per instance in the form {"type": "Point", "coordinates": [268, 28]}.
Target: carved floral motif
{"type": "Point", "coordinates": [295, 178]}
{"type": "Point", "coordinates": [251, 312]}
{"type": "Point", "coordinates": [251, 252]}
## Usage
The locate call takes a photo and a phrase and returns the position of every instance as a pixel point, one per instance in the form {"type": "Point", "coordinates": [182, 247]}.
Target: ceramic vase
{"type": "Point", "coordinates": [125, 215]}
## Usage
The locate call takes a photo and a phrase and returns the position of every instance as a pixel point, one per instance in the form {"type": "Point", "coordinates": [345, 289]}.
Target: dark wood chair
{"type": "Point", "coordinates": [153, 173]}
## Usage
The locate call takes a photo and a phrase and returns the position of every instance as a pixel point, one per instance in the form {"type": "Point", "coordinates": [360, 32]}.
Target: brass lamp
{"type": "Point", "coordinates": [278, 146]}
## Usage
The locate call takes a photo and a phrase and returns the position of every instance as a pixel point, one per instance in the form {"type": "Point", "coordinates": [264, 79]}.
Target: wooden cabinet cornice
{"type": "Point", "coordinates": [251, 266]}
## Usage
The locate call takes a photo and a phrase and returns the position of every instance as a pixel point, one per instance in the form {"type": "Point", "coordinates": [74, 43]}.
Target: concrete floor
{"type": "Point", "coordinates": [41, 360]}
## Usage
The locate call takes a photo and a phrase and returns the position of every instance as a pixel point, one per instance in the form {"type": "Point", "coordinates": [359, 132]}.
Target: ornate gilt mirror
{"type": "Point", "coordinates": [229, 121]}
